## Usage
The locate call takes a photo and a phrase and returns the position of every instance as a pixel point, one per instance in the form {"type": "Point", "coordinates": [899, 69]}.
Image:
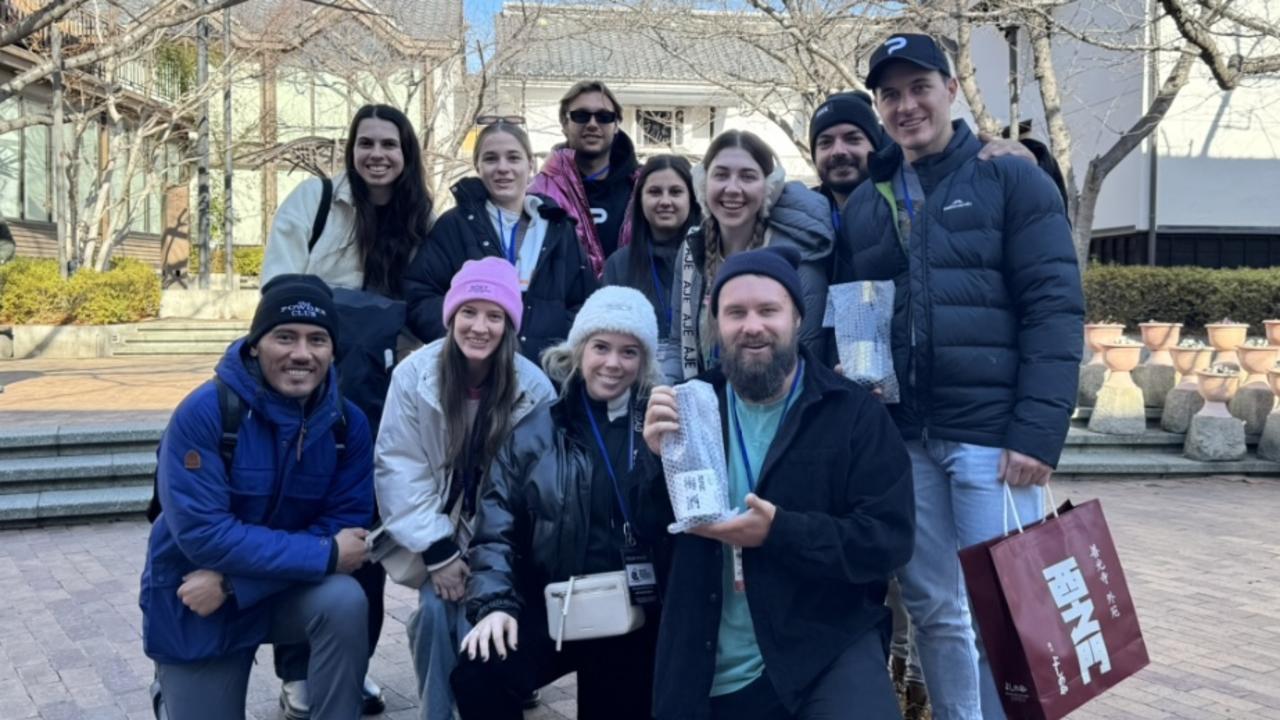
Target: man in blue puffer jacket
{"type": "Point", "coordinates": [259, 549]}
{"type": "Point", "coordinates": [987, 330]}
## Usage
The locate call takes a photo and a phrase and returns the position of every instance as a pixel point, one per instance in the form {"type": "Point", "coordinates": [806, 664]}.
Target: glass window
{"type": "Point", "coordinates": [35, 168]}
{"type": "Point", "coordinates": [11, 163]}
{"type": "Point", "coordinates": [660, 127]}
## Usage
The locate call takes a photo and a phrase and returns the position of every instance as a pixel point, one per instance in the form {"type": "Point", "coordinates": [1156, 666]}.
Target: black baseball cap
{"type": "Point", "coordinates": [920, 50]}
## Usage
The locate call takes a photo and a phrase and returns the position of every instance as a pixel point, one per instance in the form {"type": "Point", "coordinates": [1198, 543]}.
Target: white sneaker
{"type": "Point", "coordinates": [293, 700]}
{"type": "Point", "coordinates": [371, 694]}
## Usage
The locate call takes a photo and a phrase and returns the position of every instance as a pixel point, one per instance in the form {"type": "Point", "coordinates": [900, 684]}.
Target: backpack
{"type": "Point", "coordinates": [232, 410]}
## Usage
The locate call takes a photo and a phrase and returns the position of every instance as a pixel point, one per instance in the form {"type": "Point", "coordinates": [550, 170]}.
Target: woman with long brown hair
{"type": "Point", "coordinates": [452, 405]}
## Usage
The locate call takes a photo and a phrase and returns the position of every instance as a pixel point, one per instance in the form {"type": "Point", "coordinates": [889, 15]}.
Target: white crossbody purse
{"type": "Point", "coordinates": [586, 607]}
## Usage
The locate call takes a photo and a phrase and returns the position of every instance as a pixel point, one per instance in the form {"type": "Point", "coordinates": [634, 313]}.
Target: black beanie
{"type": "Point", "coordinates": [846, 107]}
{"type": "Point", "coordinates": [777, 263]}
{"type": "Point", "coordinates": [294, 298]}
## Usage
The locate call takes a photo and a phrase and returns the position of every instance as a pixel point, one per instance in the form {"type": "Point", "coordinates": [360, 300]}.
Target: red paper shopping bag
{"type": "Point", "coordinates": [1055, 614]}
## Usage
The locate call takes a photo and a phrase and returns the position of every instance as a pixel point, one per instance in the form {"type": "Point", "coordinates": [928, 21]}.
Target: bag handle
{"type": "Point", "coordinates": [564, 612]}
{"type": "Point", "coordinates": [1009, 503]}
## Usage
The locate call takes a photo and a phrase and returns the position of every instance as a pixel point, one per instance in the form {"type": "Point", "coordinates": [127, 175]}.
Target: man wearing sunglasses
{"type": "Point", "coordinates": [591, 175]}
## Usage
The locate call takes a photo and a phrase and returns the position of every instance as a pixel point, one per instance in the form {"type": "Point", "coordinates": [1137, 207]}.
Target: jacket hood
{"type": "Point", "coordinates": [235, 370]}
{"type": "Point", "coordinates": [622, 159]}
{"type": "Point", "coordinates": [773, 187]}
{"type": "Point", "coordinates": [470, 193]}
{"type": "Point", "coordinates": [532, 387]}
{"type": "Point", "coordinates": [803, 217]}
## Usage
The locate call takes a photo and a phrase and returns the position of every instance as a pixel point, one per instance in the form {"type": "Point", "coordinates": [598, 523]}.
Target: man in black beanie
{"type": "Point", "coordinates": [778, 612]}
{"type": "Point", "coordinates": [843, 132]}
{"type": "Point", "coordinates": [265, 490]}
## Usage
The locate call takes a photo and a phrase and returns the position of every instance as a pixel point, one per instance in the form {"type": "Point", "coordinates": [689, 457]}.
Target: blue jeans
{"type": "Point", "coordinates": [959, 502]}
{"type": "Point", "coordinates": [435, 630]}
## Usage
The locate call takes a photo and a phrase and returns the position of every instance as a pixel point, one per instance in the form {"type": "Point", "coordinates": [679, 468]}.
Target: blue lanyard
{"type": "Point", "coordinates": [906, 194]}
{"type": "Point", "coordinates": [737, 424]}
{"type": "Point", "coordinates": [835, 219]}
{"type": "Point", "coordinates": [608, 464]}
{"type": "Point", "coordinates": [658, 288]}
{"type": "Point", "coordinates": [597, 174]}
{"type": "Point", "coordinates": [510, 249]}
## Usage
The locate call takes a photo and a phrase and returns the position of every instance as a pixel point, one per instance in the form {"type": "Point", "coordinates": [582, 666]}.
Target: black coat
{"type": "Point", "coordinates": [988, 311]}
{"type": "Point", "coordinates": [560, 284]}
{"type": "Point", "coordinates": [840, 476]}
{"type": "Point", "coordinates": [535, 513]}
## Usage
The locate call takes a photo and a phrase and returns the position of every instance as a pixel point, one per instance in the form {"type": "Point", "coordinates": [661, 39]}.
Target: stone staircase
{"type": "Point", "coordinates": [65, 473]}
{"type": "Point", "coordinates": [1153, 454]}
{"type": "Point", "coordinates": [181, 337]}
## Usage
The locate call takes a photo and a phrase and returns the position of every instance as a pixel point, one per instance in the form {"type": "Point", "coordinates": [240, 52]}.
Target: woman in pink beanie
{"type": "Point", "coordinates": [451, 405]}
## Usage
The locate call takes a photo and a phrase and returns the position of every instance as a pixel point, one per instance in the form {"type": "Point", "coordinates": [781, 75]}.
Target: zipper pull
{"type": "Point", "coordinates": [302, 434]}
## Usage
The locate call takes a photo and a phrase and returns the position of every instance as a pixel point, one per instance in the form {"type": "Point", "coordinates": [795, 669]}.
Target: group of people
{"type": "Point", "coordinates": [519, 446]}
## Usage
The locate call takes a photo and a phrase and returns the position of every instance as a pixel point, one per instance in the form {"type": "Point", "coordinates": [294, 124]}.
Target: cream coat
{"type": "Point", "coordinates": [409, 475]}
{"type": "Point", "coordinates": [336, 257]}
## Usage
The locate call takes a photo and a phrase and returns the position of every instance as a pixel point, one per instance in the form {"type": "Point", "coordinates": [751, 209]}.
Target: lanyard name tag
{"type": "Point", "coordinates": [642, 579]}
{"type": "Point", "coordinates": [739, 578]}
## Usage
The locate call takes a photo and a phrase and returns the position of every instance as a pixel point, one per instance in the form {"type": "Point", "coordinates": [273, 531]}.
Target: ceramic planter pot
{"type": "Point", "coordinates": [1257, 361]}
{"type": "Point", "coordinates": [1097, 333]}
{"type": "Point", "coordinates": [1121, 358]}
{"type": "Point", "coordinates": [1217, 390]}
{"type": "Point", "coordinates": [1160, 338]}
{"type": "Point", "coordinates": [1225, 338]}
{"type": "Point", "coordinates": [1187, 361]}
{"type": "Point", "coordinates": [1273, 331]}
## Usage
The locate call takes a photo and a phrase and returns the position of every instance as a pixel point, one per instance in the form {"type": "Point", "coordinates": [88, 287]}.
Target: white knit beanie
{"type": "Point", "coordinates": [620, 309]}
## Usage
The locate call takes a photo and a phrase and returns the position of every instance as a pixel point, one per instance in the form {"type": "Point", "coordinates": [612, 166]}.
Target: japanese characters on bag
{"type": "Point", "coordinates": [1071, 596]}
{"type": "Point", "coordinates": [1101, 567]}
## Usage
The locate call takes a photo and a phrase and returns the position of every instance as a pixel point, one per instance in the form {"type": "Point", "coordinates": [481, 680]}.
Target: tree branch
{"type": "Point", "coordinates": [37, 21]}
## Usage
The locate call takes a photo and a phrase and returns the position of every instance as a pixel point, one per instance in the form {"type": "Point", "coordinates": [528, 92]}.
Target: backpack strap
{"type": "Point", "coordinates": [322, 213]}
{"type": "Point", "coordinates": [231, 409]}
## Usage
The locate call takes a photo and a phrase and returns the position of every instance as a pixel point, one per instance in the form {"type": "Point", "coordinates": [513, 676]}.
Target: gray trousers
{"type": "Point", "coordinates": [330, 616]}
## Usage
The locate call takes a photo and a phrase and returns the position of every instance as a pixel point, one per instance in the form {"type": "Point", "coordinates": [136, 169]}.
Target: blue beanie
{"type": "Point", "coordinates": [775, 263]}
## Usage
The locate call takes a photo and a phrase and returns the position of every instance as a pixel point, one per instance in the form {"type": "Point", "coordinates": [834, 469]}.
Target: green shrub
{"type": "Point", "coordinates": [245, 260]}
{"type": "Point", "coordinates": [1193, 296]}
{"type": "Point", "coordinates": [31, 291]}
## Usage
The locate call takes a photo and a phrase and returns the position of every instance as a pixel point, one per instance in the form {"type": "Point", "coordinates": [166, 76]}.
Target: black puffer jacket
{"type": "Point", "coordinates": [560, 284]}
{"type": "Point", "coordinates": [534, 518]}
{"type": "Point", "coordinates": [988, 314]}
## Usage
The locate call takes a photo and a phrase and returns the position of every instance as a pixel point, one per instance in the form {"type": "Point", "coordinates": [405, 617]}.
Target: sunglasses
{"type": "Point", "coordinates": [604, 117]}
{"type": "Point", "coordinates": [495, 119]}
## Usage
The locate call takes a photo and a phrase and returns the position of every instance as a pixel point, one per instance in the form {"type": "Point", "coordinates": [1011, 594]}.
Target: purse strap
{"type": "Point", "coordinates": [564, 612]}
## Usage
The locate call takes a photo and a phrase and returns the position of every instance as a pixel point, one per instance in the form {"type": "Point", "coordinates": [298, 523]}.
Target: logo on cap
{"type": "Point", "coordinates": [480, 288]}
{"type": "Point", "coordinates": [895, 44]}
{"type": "Point", "coordinates": [302, 308]}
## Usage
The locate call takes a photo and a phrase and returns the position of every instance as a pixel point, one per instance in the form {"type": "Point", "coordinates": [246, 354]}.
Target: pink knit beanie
{"type": "Point", "coordinates": [492, 279]}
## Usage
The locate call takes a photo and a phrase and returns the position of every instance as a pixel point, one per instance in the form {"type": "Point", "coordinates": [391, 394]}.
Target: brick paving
{"type": "Point", "coordinates": [1201, 556]}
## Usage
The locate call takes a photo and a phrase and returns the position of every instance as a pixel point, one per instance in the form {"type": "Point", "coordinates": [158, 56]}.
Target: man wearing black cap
{"type": "Point", "coordinates": [986, 339]}
{"type": "Point", "coordinates": [265, 486]}
{"type": "Point", "coordinates": [779, 612]}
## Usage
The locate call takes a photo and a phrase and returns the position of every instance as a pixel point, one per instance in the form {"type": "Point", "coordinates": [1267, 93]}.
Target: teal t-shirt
{"type": "Point", "coordinates": [738, 659]}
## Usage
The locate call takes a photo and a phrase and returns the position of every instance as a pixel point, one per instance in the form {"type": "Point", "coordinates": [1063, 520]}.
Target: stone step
{"type": "Point", "coordinates": [1136, 463]}
{"type": "Point", "coordinates": [80, 472]}
{"type": "Point", "coordinates": [75, 441]}
{"type": "Point", "coordinates": [1082, 414]}
{"type": "Point", "coordinates": [163, 326]}
{"type": "Point", "coordinates": [224, 337]}
{"type": "Point", "coordinates": [1082, 440]}
{"type": "Point", "coordinates": [67, 504]}
{"type": "Point", "coordinates": [150, 347]}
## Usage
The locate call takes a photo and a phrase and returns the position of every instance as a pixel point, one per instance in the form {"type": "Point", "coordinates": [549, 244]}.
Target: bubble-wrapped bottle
{"type": "Point", "coordinates": [862, 315]}
{"type": "Point", "coordinates": [693, 460]}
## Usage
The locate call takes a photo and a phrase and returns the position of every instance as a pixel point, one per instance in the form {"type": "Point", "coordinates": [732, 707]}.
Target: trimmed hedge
{"type": "Point", "coordinates": [1193, 296]}
{"type": "Point", "coordinates": [31, 291]}
{"type": "Point", "coordinates": [246, 260]}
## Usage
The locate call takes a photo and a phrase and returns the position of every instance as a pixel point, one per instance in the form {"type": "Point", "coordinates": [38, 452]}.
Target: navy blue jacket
{"type": "Point", "coordinates": [988, 314]}
{"type": "Point", "coordinates": [266, 526]}
{"type": "Point", "coordinates": [841, 479]}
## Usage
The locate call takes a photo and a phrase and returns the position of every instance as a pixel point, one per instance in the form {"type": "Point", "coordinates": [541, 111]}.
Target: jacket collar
{"type": "Point", "coordinates": [342, 189]}
{"type": "Point", "coordinates": [622, 160]}
{"type": "Point", "coordinates": [963, 146]}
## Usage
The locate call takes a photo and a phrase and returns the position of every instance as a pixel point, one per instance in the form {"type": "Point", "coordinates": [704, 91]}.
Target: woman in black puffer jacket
{"type": "Point", "coordinates": [496, 217]}
{"type": "Point", "coordinates": [564, 500]}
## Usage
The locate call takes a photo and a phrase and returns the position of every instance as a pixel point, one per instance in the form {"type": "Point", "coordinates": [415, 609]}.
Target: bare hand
{"type": "Point", "coordinates": [450, 581]}
{"type": "Point", "coordinates": [1020, 470]}
{"type": "Point", "coordinates": [661, 417]}
{"type": "Point", "coordinates": [746, 530]}
{"type": "Point", "coordinates": [352, 551]}
{"type": "Point", "coordinates": [994, 147]}
{"type": "Point", "coordinates": [498, 627]}
{"type": "Point", "coordinates": [202, 592]}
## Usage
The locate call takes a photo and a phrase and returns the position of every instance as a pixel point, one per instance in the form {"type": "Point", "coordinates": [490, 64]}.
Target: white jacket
{"type": "Point", "coordinates": [336, 257]}
{"type": "Point", "coordinates": [409, 475]}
